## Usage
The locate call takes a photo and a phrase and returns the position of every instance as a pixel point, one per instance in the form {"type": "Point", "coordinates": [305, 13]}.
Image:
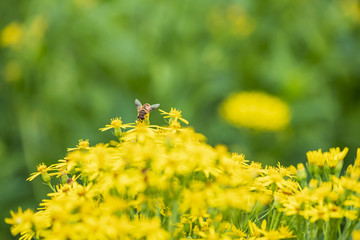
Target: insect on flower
{"type": "Point", "coordinates": [144, 110]}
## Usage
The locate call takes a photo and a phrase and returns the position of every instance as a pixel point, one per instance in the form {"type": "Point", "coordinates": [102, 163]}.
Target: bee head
{"type": "Point", "coordinates": [147, 106]}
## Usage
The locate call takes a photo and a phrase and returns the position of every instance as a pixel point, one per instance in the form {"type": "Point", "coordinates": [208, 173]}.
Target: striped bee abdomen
{"type": "Point", "coordinates": [141, 115]}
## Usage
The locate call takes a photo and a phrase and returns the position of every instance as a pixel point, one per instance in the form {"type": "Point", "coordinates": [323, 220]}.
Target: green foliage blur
{"type": "Point", "coordinates": [79, 63]}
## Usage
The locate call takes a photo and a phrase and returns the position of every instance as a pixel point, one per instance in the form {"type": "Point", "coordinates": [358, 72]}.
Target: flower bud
{"type": "Point", "coordinates": [64, 178]}
{"type": "Point", "coordinates": [46, 177]}
{"type": "Point", "coordinates": [117, 132]}
{"type": "Point", "coordinates": [301, 172]}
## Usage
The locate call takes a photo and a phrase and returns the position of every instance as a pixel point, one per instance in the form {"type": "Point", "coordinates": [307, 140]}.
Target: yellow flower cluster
{"type": "Point", "coordinates": [19, 36]}
{"type": "Point", "coordinates": [256, 110]}
{"type": "Point", "coordinates": [15, 34]}
{"type": "Point", "coordinates": [11, 35]}
{"type": "Point", "coordinates": [327, 201]}
{"type": "Point", "coordinates": [167, 183]}
{"type": "Point", "coordinates": [233, 20]}
{"type": "Point", "coordinates": [351, 9]}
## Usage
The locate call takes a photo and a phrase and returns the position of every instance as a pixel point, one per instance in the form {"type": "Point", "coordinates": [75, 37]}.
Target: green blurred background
{"type": "Point", "coordinates": [78, 63]}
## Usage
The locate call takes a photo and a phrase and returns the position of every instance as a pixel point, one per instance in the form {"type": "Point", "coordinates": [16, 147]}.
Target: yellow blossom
{"type": "Point", "coordinates": [316, 157]}
{"type": "Point", "coordinates": [83, 145]}
{"type": "Point", "coordinates": [11, 35]}
{"type": "Point", "coordinates": [331, 158]}
{"type": "Point", "coordinates": [334, 156]}
{"type": "Point", "coordinates": [356, 235]}
{"type": "Point", "coordinates": [41, 170]}
{"type": "Point", "coordinates": [12, 71]}
{"type": "Point", "coordinates": [116, 123]}
{"type": "Point", "coordinates": [256, 110]}
{"type": "Point", "coordinates": [27, 223]}
{"type": "Point", "coordinates": [357, 160]}
{"type": "Point", "coordinates": [174, 115]}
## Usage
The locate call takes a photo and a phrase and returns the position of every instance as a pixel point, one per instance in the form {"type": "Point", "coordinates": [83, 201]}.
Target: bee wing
{"type": "Point", "coordinates": [138, 104]}
{"type": "Point", "coordinates": [154, 106]}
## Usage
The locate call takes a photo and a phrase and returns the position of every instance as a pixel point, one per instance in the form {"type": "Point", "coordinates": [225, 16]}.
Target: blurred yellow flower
{"type": "Point", "coordinates": [356, 235]}
{"type": "Point", "coordinates": [233, 20]}
{"type": "Point", "coordinates": [241, 24]}
{"type": "Point", "coordinates": [12, 71]}
{"type": "Point", "coordinates": [38, 27]}
{"type": "Point", "coordinates": [256, 110]}
{"type": "Point", "coordinates": [11, 35]}
{"type": "Point", "coordinates": [22, 223]}
{"type": "Point", "coordinates": [351, 9]}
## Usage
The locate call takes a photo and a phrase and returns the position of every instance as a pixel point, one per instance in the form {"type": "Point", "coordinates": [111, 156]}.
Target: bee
{"type": "Point", "coordinates": [144, 110]}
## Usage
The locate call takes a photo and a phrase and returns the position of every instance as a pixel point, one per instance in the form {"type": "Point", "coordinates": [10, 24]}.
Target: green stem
{"type": "Point", "coordinates": [299, 228]}
{"type": "Point", "coordinates": [274, 218]}
{"type": "Point", "coordinates": [52, 188]}
{"type": "Point", "coordinates": [349, 227]}
{"type": "Point", "coordinates": [277, 221]}
{"type": "Point", "coordinates": [327, 229]}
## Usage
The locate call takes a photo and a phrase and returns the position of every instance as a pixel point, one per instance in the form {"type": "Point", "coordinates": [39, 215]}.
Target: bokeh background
{"type": "Point", "coordinates": [68, 66]}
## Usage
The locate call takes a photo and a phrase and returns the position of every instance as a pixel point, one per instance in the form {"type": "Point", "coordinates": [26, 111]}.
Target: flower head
{"type": "Point", "coordinates": [83, 145]}
{"type": "Point", "coordinates": [256, 110]}
{"type": "Point", "coordinates": [42, 169]}
{"type": "Point", "coordinates": [174, 115]}
{"type": "Point", "coordinates": [11, 35]}
{"type": "Point", "coordinates": [116, 123]}
{"type": "Point", "coordinates": [22, 223]}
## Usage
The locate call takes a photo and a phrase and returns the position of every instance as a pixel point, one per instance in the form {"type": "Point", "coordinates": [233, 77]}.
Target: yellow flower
{"type": "Point", "coordinates": [42, 169]}
{"type": "Point", "coordinates": [150, 229]}
{"type": "Point", "coordinates": [261, 233]}
{"type": "Point", "coordinates": [332, 158]}
{"type": "Point", "coordinates": [22, 222]}
{"type": "Point", "coordinates": [335, 156]}
{"type": "Point", "coordinates": [352, 215]}
{"type": "Point", "coordinates": [256, 110]}
{"type": "Point", "coordinates": [357, 160]}
{"type": "Point", "coordinates": [335, 211]}
{"type": "Point", "coordinates": [140, 133]}
{"type": "Point", "coordinates": [356, 235]}
{"type": "Point", "coordinates": [83, 145]}
{"type": "Point", "coordinates": [351, 8]}
{"type": "Point", "coordinates": [174, 115]}
{"type": "Point", "coordinates": [38, 27]}
{"type": "Point", "coordinates": [301, 172]}
{"type": "Point", "coordinates": [318, 212]}
{"type": "Point", "coordinates": [285, 232]}
{"type": "Point", "coordinates": [12, 71]}
{"type": "Point", "coordinates": [313, 183]}
{"type": "Point", "coordinates": [316, 157]}
{"type": "Point", "coordinates": [11, 35]}
{"type": "Point", "coordinates": [116, 123]}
